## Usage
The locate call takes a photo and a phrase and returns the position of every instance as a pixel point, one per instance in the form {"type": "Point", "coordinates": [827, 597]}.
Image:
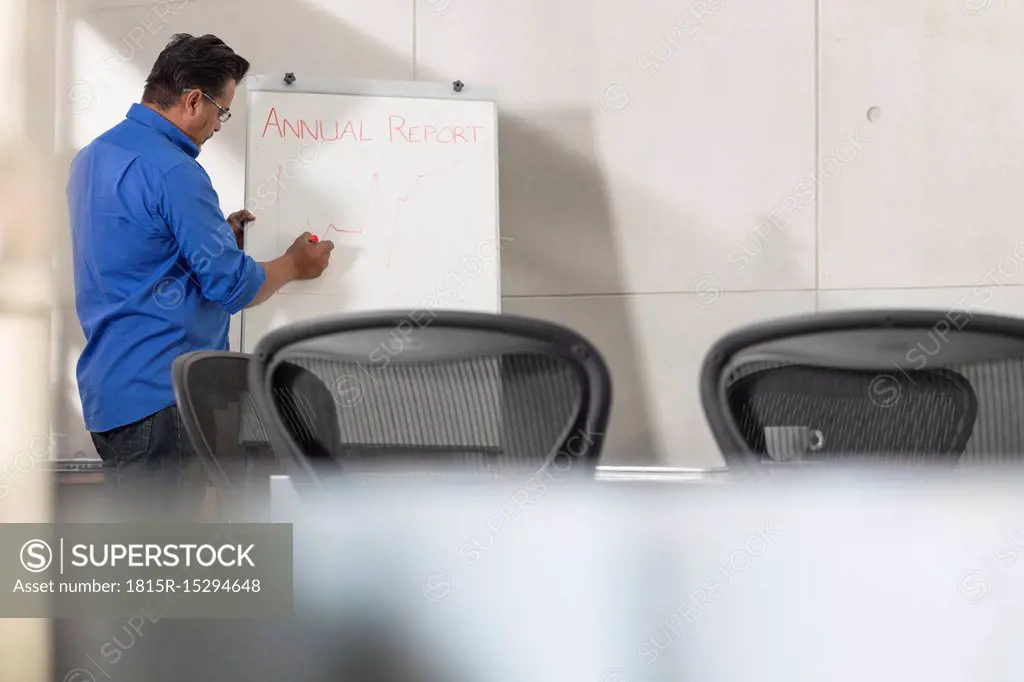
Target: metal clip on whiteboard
{"type": "Point", "coordinates": [289, 78]}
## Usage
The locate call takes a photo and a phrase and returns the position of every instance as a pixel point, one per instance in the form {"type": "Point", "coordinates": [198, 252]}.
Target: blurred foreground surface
{"type": "Point", "coordinates": [806, 577]}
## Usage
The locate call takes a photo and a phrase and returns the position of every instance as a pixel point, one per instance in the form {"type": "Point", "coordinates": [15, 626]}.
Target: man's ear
{"type": "Point", "coordinates": [191, 102]}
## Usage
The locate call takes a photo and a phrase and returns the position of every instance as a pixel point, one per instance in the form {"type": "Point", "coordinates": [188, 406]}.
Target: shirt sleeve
{"type": "Point", "coordinates": [226, 274]}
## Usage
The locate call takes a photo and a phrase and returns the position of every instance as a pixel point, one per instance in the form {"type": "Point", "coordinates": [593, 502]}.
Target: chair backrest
{"type": "Point", "coordinates": [802, 413]}
{"type": "Point", "coordinates": [869, 387]}
{"type": "Point", "coordinates": [427, 391]}
{"type": "Point", "coordinates": [219, 414]}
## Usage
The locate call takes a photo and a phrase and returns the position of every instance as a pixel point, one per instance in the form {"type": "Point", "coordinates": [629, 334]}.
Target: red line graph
{"type": "Point", "coordinates": [332, 228]}
{"type": "Point", "coordinates": [374, 199]}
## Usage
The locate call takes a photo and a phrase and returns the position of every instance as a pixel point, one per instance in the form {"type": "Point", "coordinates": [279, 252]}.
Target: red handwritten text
{"type": "Point", "coordinates": [400, 131]}
{"type": "Point", "coordinates": [316, 130]}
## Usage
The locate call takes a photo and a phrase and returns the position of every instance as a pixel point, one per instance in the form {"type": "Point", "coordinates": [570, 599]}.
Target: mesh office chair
{"type": "Point", "coordinates": [869, 387]}
{"type": "Point", "coordinates": [212, 392]}
{"type": "Point", "coordinates": [442, 391]}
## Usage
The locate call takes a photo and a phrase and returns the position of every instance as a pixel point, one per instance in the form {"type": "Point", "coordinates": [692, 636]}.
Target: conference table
{"type": "Point", "coordinates": [78, 479]}
{"type": "Point", "coordinates": [284, 500]}
{"type": "Point", "coordinates": [78, 471]}
{"type": "Point", "coordinates": [660, 474]}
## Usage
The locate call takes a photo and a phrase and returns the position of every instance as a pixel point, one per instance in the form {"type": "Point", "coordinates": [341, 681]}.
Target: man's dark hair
{"type": "Point", "coordinates": [192, 62]}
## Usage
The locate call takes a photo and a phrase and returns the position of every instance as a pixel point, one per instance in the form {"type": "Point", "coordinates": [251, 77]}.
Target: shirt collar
{"type": "Point", "coordinates": [147, 117]}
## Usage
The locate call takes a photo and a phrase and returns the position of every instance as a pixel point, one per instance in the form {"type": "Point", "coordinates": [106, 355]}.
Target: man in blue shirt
{"type": "Point", "coordinates": [158, 268]}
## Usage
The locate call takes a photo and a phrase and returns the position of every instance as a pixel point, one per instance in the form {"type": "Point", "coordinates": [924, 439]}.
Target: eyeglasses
{"type": "Point", "coordinates": [223, 115]}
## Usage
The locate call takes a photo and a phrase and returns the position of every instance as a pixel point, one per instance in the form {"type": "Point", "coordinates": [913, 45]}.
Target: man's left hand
{"type": "Point", "coordinates": [236, 220]}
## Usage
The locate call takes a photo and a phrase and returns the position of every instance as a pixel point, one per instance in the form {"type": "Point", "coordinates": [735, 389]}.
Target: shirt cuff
{"type": "Point", "coordinates": [253, 277]}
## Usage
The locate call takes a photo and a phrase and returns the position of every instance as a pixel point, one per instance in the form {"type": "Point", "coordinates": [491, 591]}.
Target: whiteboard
{"type": "Point", "coordinates": [401, 176]}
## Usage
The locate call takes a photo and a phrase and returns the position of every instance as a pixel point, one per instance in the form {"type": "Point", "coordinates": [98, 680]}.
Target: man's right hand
{"type": "Point", "coordinates": [309, 259]}
{"type": "Point", "coordinates": [302, 260]}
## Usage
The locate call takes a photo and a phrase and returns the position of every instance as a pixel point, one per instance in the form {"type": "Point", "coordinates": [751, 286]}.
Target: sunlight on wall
{"type": "Point", "coordinates": [102, 85]}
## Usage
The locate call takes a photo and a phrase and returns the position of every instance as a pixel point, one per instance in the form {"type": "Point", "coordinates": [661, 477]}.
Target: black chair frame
{"type": "Point", "coordinates": [189, 417]}
{"type": "Point", "coordinates": [747, 341]}
{"type": "Point", "coordinates": [546, 337]}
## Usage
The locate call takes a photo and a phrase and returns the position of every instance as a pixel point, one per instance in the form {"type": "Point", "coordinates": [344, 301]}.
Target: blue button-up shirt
{"type": "Point", "coordinates": [157, 270]}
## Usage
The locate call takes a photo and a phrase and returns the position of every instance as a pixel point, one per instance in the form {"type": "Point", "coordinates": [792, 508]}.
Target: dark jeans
{"type": "Point", "coordinates": [153, 468]}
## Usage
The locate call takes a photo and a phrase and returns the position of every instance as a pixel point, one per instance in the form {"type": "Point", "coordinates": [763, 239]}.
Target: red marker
{"type": "Point", "coordinates": [313, 239]}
